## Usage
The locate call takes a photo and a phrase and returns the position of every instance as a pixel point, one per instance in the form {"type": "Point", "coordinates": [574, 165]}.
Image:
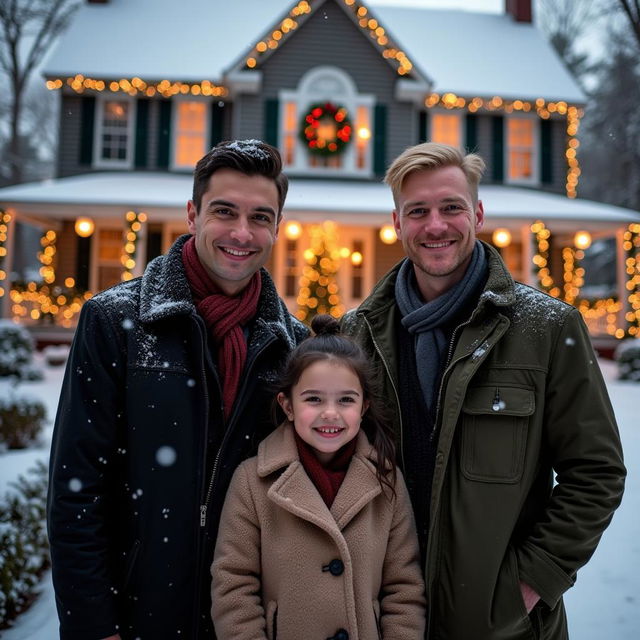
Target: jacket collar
{"type": "Point", "coordinates": [294, 491]}
{"type": "Point", "coordinates": [165, 293]}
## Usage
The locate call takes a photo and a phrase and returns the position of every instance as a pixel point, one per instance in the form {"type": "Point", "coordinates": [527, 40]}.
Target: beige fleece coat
{"type": "Point", "coordinates": [287, 567]}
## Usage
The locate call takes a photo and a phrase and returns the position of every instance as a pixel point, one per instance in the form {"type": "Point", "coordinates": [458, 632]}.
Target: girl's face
{"type": "Point", "coordinates": [326, 406]}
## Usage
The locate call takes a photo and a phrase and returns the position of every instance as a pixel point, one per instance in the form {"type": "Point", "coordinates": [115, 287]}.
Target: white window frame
{"type": "Point", "coordinates": [446, 112]}
{"type": "Point", "coordinates": [327, 84]}
{"type": "Point", "coordinates": [174, 129]}
{"type": "Point", "coordinates": [113, 163]}
{"type": "Point", "coordinates": [535, 150]}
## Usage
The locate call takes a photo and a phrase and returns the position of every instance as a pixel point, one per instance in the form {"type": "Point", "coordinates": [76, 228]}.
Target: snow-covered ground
{"type": "Point", "coordinates": [605, 603]}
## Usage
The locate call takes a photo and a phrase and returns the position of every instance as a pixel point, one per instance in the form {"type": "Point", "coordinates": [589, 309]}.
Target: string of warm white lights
{"type": "Point", "coordinates": [631, 246]}
{"type": "Point", "coordinates": [136, 86]}
{"type": "Point", "coordinates": [5, 218]}
{"type": "Point", "coordinates": [134, 222]}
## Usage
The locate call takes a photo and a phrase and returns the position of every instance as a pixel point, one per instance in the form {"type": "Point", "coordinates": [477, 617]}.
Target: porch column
{"type": "Point", "coordinates": [527, 255]}
{"type": "Point", "coordinates": [621, 279]}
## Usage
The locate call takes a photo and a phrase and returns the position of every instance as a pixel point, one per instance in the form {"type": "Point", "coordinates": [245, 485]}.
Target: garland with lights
{"type": "Point", "coordinates": [631, 246]}
{"type": "Point", "coordinates": [325, 129]}
{"type": "Point", "coordinates": [5, 218]}
{"type": "Point", "coordinates": [130, 250]}
{"type": "Point", "coordinates": [318, 291]}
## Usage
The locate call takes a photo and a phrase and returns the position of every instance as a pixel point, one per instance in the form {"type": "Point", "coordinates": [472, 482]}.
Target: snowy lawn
{"type": "Point", "coordinates": [605, 603]}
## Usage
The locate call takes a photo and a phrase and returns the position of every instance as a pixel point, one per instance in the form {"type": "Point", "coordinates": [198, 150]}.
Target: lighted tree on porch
{"type": "Point", "coordinates": [318, 287]}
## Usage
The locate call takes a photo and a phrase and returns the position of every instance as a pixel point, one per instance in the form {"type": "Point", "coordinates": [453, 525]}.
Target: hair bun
{"type": "Point", "coordinates": [324, 324]}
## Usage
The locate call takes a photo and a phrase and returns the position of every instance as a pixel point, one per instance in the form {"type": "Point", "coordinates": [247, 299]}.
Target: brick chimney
{"type": "Point", "coordinates": [519, 10]}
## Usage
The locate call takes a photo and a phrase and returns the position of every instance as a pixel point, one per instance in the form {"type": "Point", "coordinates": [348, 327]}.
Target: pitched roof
{"type": "Point", "coordinates": [471, 54]}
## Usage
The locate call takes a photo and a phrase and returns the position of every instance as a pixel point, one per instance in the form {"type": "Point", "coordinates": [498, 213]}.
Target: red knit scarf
{"type": "Point", "coordinates": [224, 316]}
{"type": "Point", "coordinates": [326, 478]}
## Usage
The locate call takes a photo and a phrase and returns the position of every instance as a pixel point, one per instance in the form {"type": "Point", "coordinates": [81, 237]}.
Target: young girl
{"type": "Point", "coordinates": [317, 538]}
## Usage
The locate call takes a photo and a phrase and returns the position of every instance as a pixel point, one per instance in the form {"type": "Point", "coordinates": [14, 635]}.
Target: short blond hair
{"type": "Point", "coordinates": [434, 155]}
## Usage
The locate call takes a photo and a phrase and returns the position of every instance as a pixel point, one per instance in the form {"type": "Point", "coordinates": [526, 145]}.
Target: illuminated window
{"type": "Point", "coordinates": [521, 150]}
{"type": "Point", "coordinates": [446, 129]}
{"type": "Point", "coordinates": [114, 132]}
{"type": "Point", "coordinates": [190, 133]}
{"type": "Point", "coordinates": [321, 85]}
{"type": "Point", "coordinates": [291, 269]}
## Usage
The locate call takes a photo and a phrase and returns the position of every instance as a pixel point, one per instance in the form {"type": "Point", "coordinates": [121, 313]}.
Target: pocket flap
{"type": "Point", "coordinates": [499, 400]}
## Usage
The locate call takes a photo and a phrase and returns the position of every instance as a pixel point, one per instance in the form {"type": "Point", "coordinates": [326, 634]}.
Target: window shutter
{"type": "Point", "coordinates": [87, 123]}
{"type": "Point", "coordinates": [546, 151]}
{"type": "Point", "coordinates": [380, 139]}
{"type": "Point", "coordinates": [217, 116]}
{"type": "Point", "coordinates": [497, 154]}
{"type": "Point", "coordinates": [271, 119]}
{"type": "Point", "coordinates": [471, 132]}
{"type": "Point", "coordinates": [142, 132]}
{"type": "Point", "coordinates": [164, 134]}
{"type": "Point", "coordinates": [423, 121]}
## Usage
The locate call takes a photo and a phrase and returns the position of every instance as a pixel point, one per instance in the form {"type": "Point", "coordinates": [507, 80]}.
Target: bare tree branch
{"type": "Point", "coordinates": [28, 28]}
{"type": "Point", "coordinates": [632, 11]}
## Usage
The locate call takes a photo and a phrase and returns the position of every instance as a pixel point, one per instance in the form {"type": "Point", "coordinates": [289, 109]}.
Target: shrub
{"type": "Point", "coordinates": [16, 352]}
{"type": "Point", "coordinates": [627, 355]}
{"type": "Point", "coordinates": [21, 420]}
{"type": "Point", "coordinates": [24, 551]}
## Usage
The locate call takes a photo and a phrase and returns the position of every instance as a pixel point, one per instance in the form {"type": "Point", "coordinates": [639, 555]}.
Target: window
{"type": "Point", "coordinates": [522, 150]}
{"type": "Point", "coordinates": [320, 85]}
{"type": "Point", "coordinates": [190, 138]}
{"type": "Point", "coordinates": [446, 128]}
{"type": "Point", "coordinates": [114, 133]}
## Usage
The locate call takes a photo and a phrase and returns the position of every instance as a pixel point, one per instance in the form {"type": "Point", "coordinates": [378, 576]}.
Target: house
{"type": "Point", "coordinates": [147, 86]}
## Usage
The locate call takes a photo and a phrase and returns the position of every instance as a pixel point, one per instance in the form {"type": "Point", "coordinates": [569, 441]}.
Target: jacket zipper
{"type": "Point", "coordinates": [204, 507]}
{"type": "Point", "coordinates": [395, 390]}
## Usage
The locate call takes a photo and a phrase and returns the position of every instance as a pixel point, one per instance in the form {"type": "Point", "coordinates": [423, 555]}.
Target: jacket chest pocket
{"type": "Point", "coordinates": [494, 432]}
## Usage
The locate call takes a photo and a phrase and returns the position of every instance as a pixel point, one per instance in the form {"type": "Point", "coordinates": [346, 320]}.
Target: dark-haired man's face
{"type": "Point", "coordinates": [235, 228]}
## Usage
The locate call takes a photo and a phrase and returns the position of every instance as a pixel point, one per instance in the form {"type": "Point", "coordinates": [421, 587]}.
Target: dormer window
{"type": "Point", "coordinates": [332, 150]}
{"type": "Point", "coordinates": [114, 132]}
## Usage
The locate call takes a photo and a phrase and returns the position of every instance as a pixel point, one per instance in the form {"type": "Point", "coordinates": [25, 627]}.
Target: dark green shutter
{"type": "Point", "coordinates": [546, 151]}
{"type": "Point", "coordinates": [423, 121]}
{"type": "Point", "coordinates": [497, 152]}
{"type": "Point", "coordinates": [380, 139]}
{"type": "Point", "coordinates": [164, 134]}
{"type": "Point", "coordinates": [142, 132]}
{"type": "Point", "coordinates": [87, 123]}
{"type": "Point", "coordinates": [471, 132]}
{"type": "Point", "coordinates": [217, 119]}
{"type": "Point", "coordinates": [271, 121]}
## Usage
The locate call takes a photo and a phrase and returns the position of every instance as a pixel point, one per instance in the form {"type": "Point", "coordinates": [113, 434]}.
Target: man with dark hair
{"type": "Point", "coordinates": [494, 390]}
{"type": "Point", "coordinates": [166, 391]}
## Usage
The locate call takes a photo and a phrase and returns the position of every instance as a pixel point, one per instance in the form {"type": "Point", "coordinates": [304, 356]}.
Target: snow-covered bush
{"type": "Point", "coordinates": [56, 355]}
{"type": "Point", "coordinates": [22, 417]}
{"type": "Point", "coordinates": [24, 552]}
{"type": "Point", "coordinates": [16, 352]}
{"type": "Point", "coordinates": [627, 355]}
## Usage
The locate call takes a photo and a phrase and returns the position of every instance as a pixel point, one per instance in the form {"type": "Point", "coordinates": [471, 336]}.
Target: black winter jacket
{"type": "Point", "coordinates": [141, 459]}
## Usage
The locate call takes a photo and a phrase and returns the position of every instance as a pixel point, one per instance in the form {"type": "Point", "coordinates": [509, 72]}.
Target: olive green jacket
{"type": "Point", "coordinates": [521, 398]}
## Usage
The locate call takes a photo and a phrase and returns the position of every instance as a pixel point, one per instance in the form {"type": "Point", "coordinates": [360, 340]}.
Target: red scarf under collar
{"type": "Point", "coordinates": [224, 316]}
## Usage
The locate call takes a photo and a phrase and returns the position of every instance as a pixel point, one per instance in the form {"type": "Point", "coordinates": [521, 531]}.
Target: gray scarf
{"type": "Point", "coordinates": [427, 321]}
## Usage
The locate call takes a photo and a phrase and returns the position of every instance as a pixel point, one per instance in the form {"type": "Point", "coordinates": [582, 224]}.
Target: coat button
{"type": "Point", "coordinates": [341, 634]}
{"type": "Point", "coordinates": [335, 567]}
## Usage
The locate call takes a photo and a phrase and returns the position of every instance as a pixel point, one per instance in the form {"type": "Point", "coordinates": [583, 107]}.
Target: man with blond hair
{"type": "Point", "coordinates": [494, 388]}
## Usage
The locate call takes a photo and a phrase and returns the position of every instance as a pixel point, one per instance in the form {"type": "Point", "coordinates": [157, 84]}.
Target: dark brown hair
{"type": "Point", "coordinates": [252, 157]}
{"type": "Point", "coordinates": [329, 344]}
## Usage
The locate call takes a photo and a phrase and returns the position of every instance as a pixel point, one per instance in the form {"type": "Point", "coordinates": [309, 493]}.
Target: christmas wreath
{"type": "Point", "coordinates": [325, 129]}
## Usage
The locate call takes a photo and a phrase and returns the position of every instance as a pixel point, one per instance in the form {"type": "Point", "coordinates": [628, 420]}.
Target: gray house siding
{"type": "Point", "coordinates": [70, 137]}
